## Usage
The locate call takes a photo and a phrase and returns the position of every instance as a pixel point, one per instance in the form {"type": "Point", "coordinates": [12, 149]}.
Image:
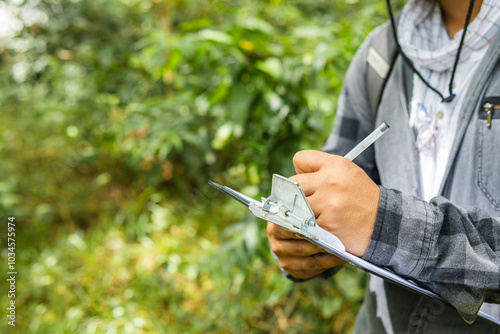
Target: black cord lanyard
{"type": "Point", "coordinates": [457, 58]}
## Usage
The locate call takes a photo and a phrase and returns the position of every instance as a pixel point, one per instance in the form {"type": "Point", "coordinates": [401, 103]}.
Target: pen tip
{"type": "Point", "coordinates": [215, 185]}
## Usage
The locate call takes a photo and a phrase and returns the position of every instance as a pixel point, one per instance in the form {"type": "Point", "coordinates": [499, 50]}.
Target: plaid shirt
{"type": "Point", "coordinates": [450, 245]}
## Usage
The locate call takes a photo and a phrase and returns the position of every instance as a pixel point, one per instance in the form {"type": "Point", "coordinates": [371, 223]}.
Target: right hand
{"type": "Point", "coordinates": [297, 256]}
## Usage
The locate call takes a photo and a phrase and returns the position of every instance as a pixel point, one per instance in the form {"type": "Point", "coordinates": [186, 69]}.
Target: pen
{"type": "Point", "coordinates": [372, 137]}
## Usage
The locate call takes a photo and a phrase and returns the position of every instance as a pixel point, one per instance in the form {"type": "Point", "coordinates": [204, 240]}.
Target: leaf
{"type": "Point", "coordinates": [254, 23]}
{"type": "Point", "coordinates": [310, 32]}
{"type": "Point", "coordinates": [174, 59]}
{"type": "Point", "coordinates": [239, 104]}
{"type": "Point", "coordinates": [222, 136]}
{"type": "Point", "coordinates": [215, 36]}
{"type": "Point", "coordinates": [272, 67]}
{"type": "Point", "coordinates": [197, 24]}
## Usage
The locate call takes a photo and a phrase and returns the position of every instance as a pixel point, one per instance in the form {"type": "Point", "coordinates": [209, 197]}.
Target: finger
{"type": "Point", "coordinates": [305, 274]}
{"type": "Point", "coordinates": [319, 203]}
{"type": "Point", "coordinates": [309, 182]}
{"type": "Point", "coordinates": [295, 248]}
{"type": "Point", "coordinates": [310, 185]}
{"type": "Point", "coordinates": [278, 232]}
{"type": "Point", "coordinates": [309, 161]}
{"type": "Point", "coordinates": [309, 266]}
{"type": "Point", "coordinates": [325, 260]}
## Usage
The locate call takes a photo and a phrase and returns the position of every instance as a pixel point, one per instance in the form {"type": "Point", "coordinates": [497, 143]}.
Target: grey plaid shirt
{"type": "Point", "coordinates": [450, 245]}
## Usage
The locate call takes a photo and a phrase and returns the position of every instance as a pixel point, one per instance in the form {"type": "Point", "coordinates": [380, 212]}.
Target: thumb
{"type": "Point", "coordinates": [310, 161]}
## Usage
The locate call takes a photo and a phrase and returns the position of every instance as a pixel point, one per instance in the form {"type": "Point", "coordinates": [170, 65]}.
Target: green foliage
{"type": "Point", "coordinates": [115, 114]}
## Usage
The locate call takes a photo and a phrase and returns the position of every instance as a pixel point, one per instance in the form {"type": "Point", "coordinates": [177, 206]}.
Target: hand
{"type": "Point", "coordinates": [297, 256]}
{"type": "Point", "coordinates": [343, 198]}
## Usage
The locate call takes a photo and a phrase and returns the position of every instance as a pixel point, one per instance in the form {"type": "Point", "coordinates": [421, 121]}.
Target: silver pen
{"type": "Point", "coordinates": [370, 139]}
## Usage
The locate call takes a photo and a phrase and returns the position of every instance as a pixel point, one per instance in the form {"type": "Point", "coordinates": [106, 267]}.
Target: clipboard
{"type": "Point", "coordinates": [287, 206]}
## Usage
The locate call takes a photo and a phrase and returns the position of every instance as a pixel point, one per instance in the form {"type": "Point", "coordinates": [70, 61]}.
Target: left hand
{"type": "Point", "coordinates": [297, 256]}
{"type": "Point", "coordinates": [343, 198]}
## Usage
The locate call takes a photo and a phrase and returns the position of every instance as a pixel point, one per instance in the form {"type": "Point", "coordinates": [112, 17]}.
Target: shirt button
{"type": "Point", "coordinates": [440, 114]}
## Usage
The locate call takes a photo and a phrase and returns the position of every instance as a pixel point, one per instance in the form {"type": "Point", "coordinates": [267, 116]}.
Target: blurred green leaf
{"type": "Point", "coordinates": [271, 66]}
{"type": "Point", "coordinates": [215, 36]}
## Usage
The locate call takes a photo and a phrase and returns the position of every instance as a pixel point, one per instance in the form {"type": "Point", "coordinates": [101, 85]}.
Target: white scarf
{"type": "Point", "coordinates": [421, 34]}
{"type": "Point", "coordinates": [424, 39]}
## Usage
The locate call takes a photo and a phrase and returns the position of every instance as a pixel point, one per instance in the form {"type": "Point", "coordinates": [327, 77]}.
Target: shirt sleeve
{"type": "Point", "coordinates": [450, 250]}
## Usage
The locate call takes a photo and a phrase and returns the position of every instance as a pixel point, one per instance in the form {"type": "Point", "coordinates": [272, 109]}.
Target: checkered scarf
{"type": "Point", "coordinates": [422, 35]}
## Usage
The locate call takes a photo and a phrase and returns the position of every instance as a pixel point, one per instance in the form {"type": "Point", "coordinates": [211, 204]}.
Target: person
{"type": "Point", "coordinates": [424, 200]}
